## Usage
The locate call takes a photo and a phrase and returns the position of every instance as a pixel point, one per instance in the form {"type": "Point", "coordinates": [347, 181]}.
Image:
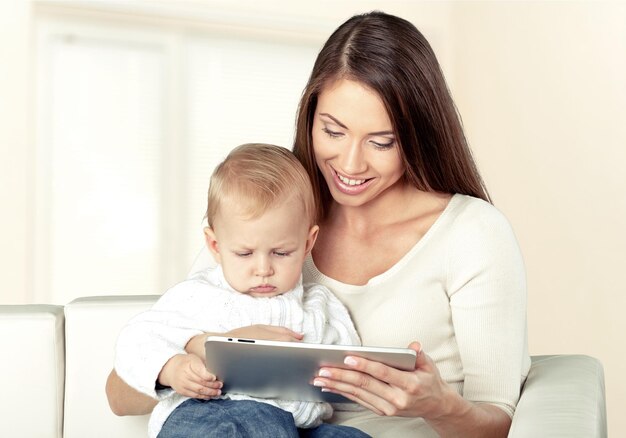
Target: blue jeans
{"type": "Point", "coordinates": [244, 418]}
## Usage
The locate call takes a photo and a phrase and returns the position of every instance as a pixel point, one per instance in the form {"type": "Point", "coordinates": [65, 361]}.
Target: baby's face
{"type": "Point", "coordinates": [263, 256]}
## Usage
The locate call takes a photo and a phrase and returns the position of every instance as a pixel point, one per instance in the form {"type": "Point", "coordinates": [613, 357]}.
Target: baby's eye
{"type": "Point", "coordinates": [243, 254]}
{"type": "Point", "coordinates": [281, 253]}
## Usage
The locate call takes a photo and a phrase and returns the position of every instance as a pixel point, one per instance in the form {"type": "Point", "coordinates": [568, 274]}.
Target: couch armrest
{"type": "Point", "coordinates": [563, 397]}
{"type": "Point", "coordinates": [32, 367]}
{"type": "Point", "coordinates": [92, 325]}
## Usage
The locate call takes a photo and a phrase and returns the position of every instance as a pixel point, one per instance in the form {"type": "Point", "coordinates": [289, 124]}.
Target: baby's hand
{"type": "Point", "coordinates": [258, 331]}
{"type": "Point", "coordinates": [267, 332]}
{"type": "Point", "coordinates": [188, 376]}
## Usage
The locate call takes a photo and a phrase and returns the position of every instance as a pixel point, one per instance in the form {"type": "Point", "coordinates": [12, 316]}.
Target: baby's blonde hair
{"type": "Point", "coordinates": [258, 176]}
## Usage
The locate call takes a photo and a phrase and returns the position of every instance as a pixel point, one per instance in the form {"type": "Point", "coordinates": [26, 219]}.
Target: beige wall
{"type": "Point", "coordinates": [541, 89]}
{"type": "Point", "coordinates": [15, 148]}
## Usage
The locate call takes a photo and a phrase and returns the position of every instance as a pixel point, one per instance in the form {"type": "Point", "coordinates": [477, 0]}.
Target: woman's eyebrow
{"type": "Point", "coordinates": [334, 120]}
{"type": "Point", "coordinates": [345, 127]}
{"type": "Point", "coordinates": [382, 133]}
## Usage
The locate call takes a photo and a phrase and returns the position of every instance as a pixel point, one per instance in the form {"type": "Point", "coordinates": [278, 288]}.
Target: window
{"type": "Point", "coordinates": [131, 122]}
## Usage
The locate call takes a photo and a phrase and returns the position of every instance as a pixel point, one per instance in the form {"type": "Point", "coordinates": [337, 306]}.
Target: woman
{"type": "Point", "coordinates": [408, 241]}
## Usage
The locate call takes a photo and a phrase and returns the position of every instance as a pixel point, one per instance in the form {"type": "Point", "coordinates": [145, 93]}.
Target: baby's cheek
{"type": "Point", "coordinates": [293, 276]}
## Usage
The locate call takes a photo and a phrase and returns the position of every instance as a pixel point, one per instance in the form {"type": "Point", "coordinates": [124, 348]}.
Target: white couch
{"type": "Point", "coordinates": [55, 361]}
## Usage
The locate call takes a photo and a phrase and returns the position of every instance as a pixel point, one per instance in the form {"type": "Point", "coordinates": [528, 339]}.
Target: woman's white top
{"type": "Point", "coordinates": [461, 292]}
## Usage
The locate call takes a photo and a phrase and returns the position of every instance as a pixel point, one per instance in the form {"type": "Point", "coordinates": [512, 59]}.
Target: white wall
{"type": "Point", "coordinates": [541, 89]}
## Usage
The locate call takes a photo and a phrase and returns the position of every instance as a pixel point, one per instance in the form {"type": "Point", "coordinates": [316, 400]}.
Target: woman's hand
{"type": "Point", "coordinates": [417, 393]}
{"type": "Point", "coordinates": [389, 391]}
{"type": "Point", "coordinates": [258, 331]}
{"type": "Point", "coordinates": [188, 376]}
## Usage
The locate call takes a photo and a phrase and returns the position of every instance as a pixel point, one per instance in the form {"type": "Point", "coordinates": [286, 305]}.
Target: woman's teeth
{"type": "Point", "coordinates": [350, 182]}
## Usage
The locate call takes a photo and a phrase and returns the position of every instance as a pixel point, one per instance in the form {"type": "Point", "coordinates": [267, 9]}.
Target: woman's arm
{"type": "Point", "coordinates": [474, 420]}
{"type": "Point", "coordinates": [124, 400]}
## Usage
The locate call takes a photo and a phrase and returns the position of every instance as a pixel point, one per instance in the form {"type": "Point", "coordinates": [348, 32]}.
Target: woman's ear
{"type": "Point", "coordinates": [211, 243]}
{"type": "Point", "coordinates": [311, 238]}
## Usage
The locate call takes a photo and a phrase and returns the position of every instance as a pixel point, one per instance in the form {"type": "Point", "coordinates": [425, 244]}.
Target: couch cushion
{"type": "Point", "coordinates": [564, 396]}
{"type": "Point", "coordinates": [32, 367]}
{"type": "Point", "coordinates": [92, 327]}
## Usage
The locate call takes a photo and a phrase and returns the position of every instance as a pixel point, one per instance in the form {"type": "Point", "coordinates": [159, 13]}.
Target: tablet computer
{"type": "Point", "coordinates": [285, 370]}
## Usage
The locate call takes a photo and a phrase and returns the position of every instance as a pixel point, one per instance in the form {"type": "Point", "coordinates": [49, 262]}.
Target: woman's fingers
{"type": "Point", "coordinates": [369, 390]}
{"type": "Point", "coordinates": [383, 389]}
{"type": "Point", "coordinates": [356, 400]}
{"type": "Point", "coordinates": [370, 372]}
{"type": "Point", "coordinates": [423, 362]}
{"type": "Point", "coordinates": [360, 387]}
{"type": "Point", "coordinates": [405, 380]}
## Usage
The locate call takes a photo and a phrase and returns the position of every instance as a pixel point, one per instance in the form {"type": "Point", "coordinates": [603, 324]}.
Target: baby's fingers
{"type": "Point", "coordinates": [199, 371]}
{"type": "Point", "coordinates": [209, 390]}
{"type": "Point", "coordinates": [268, 332]}
{"type": "Point", "coordinates": [204, 387]}
{"type": "Point", "coordinates": [201, 391]}
{"type": "Point", "coordinates": [204, 375]}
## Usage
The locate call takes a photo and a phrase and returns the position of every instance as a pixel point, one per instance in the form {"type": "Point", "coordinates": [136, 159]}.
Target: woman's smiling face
{"type": "Point", "coordinates": [354, 143]}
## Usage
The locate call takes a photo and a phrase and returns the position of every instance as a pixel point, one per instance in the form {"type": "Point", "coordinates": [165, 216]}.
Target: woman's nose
{"type": "Point", "coordinates": [352, 161]}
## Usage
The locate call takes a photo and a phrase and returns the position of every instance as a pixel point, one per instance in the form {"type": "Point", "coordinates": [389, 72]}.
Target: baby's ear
{"type": "Point", "coordinates": [311, 238]}
{"type": "Point", "coordinates": [211, 243]}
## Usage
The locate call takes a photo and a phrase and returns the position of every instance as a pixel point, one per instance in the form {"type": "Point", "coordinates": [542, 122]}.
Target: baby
{"type": "Point", "coordinates": [261, 225]}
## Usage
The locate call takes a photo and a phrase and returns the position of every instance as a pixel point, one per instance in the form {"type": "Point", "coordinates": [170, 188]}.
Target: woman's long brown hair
{"type": "Point", "coordinates": [390, 56]}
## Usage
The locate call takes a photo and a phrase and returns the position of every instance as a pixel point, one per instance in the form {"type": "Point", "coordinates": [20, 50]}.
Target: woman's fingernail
{"type": "Point", "coordinates": [318, 383]}
{"type": "Point", "coordinates": [324, 373]}
{"type": "Point", "coordinates": [349, 360]}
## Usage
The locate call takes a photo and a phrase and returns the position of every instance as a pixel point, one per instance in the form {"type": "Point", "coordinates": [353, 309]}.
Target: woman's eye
{"type": "Point", "coordinates": [383, 145]}
{"type": "Point", "coordinates": [332, 134]}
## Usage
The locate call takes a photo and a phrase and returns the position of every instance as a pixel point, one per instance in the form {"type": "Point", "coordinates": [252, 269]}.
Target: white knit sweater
{"type": "Point", "coordinates": [206, 303]}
